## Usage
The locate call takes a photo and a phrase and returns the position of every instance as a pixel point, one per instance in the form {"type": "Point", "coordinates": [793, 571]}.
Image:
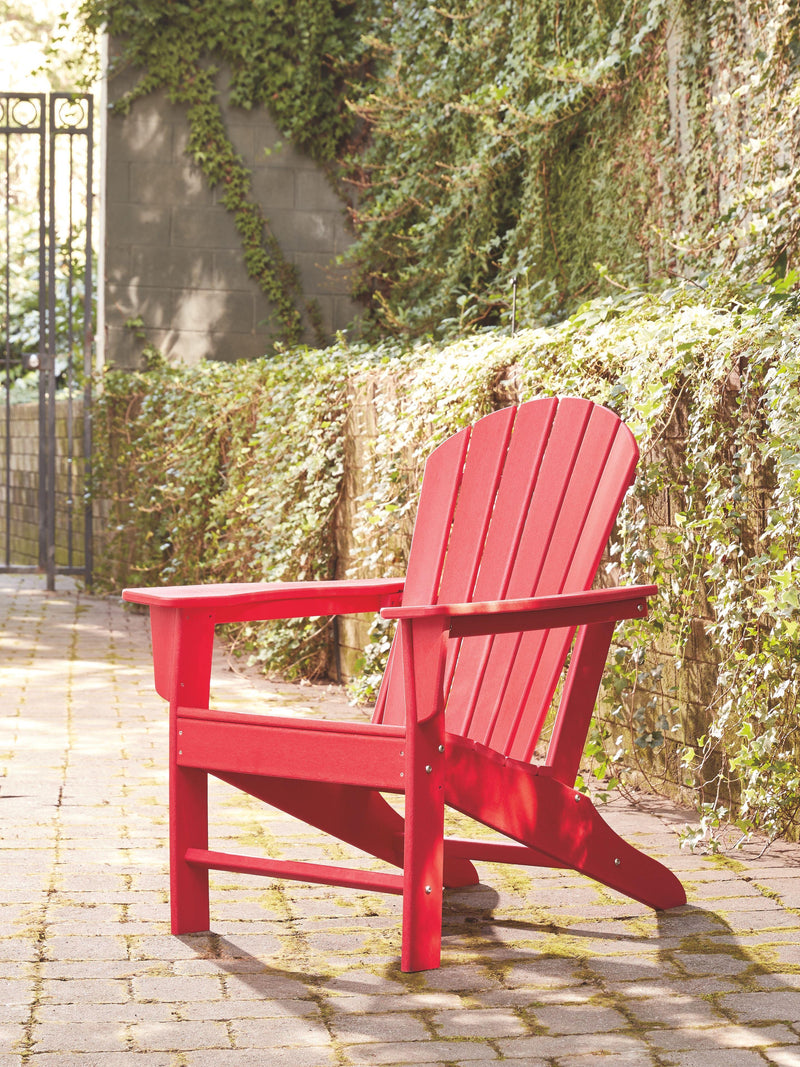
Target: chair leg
{"type": "Point", "coordinates": [423, 865]}
{"type": "Point", "coordinates": [189, 905]}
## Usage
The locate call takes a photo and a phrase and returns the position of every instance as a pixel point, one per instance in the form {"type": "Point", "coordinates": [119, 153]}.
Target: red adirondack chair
{"type": "Point", "coordinates": [512, 521]}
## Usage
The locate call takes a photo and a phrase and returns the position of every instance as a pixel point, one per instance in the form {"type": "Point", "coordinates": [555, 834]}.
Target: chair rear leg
{"type": "Point", "coordinates": [535, 809]}
{"type": "Point", "coordinates": [188, 817]}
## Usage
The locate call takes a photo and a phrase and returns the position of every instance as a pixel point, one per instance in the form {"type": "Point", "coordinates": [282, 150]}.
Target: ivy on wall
{"type": "Point", "coordinates": [224, 472]}
{"type": "Point", "coordinates": [487, 121]}
{"type": "Point", "coordinates": [290, 56]}
{"type": "Point", "coordinates": [206, 482]}
{"type": "Point", "coordinates": [559, 150]}
{"type": "Point", "coordinates": [572, 149]}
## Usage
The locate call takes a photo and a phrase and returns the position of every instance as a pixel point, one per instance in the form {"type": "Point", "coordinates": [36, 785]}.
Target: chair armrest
{"type": "Point", "coordinates": [183, 617]}
{"type": "Point", "coordinates": [251, 601]}
{"type": "Point", "coordinates": [533, 613]}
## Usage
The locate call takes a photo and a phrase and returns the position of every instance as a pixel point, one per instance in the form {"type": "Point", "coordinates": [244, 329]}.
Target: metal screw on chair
{"type": "Point", "coordinates": [428, 889]}
{"type": "Point", "coordinates": [441, 748]}
{"type": "Point", "coordinates": [428, 769]}
{"type": "Point", "coordinates": [617, 861]}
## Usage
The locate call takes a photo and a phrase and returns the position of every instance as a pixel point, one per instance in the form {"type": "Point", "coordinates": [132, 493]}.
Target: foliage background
{"type": "Point", "coordinates": [556, 150]}
{"type": "Point", "coordinates": [621, 177]}
{"type": "Point", "coordinates": [599, 165]}
{"type": "Point", "coordinates": [573, 147]}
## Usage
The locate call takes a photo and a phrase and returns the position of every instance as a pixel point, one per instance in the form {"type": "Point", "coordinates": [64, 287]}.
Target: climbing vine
{"type": "Point", "coordinates": [701, 699]}
{"type": "Point", "coordinates": [538, 154]}
{"type": "Point", "coordinates": [225, 473]}
{"type": "Point", "coordinates": [487, 123]}
{"type": "Point", "coordinates": [570, 150]}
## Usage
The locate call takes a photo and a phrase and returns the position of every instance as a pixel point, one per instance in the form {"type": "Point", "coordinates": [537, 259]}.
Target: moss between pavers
{"type": "Point", "coordinates": [723, 860]}
{"type": "Point", "coordinates": [773, 894]}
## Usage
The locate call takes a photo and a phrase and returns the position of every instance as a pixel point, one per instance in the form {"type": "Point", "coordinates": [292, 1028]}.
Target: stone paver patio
{"type": "Point", "coordinates": [540, 967]}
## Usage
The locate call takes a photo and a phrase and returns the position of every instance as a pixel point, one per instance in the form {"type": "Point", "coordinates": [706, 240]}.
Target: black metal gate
{"type": "Point", "coordinates": [47, 333]}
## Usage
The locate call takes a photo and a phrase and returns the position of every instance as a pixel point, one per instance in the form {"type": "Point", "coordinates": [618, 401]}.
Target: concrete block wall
{"type": "Point", "coordinates": [19, 500]}
{"type": "Point", "coordinates": [173, 257]}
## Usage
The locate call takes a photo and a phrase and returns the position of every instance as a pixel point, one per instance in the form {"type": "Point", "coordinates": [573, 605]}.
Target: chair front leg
{"type": "Point", "coordinates": [422, 644]}
{"type": "Point", "coordinates": [188, 828]}
{"type": "Point", "coordinates": [183, 642]}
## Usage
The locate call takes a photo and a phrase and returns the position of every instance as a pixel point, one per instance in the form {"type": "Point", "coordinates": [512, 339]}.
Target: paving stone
{"type": "Point", "coordinates": [430, 1052]}
{"type": "Point", "coordinates": [127, 1012]}
{"type": "Point", "coordinates": [784, 1057]}
{"type": "Point", "coordinates": [676, 1011]}
{"type": "Point", "coordinates": [12, 1029]}
{"type": "Point", "coordinates": [278, 1057]}
{"type": "Point", "coordinates": [364, 1004]}
{"type": "Point", "coordinates": [176, 1036]}
{"type": "Point", "coordinates": [393, 1026]}
{"type": "Point", "coordinates": [86, 948]}
{"type": "Point", "coordinates": [714, 963]}
{"type": "Point", "coordinates": [778, 981]}
{"type": "Point", "coordinates": [18, 949]}
{"type": "Point", "coordinates": [721, 1037]}
{"type": "Point", "coordinates": [631, 1057]}
{"type": "Point", "coordinates": [178, 989]}
{"type": "Point", "coordinates": [763, 1007]}
{"type": "Point", "coordinates": [543, 973]}
{"type": "Point", "coordinates": [606, 1045]}
{"type": "Point", "coordinates": [579, 1019]}
{"type": "Point", "coordinates": [461, 978]}
{"type": "Point", "coordinates": [75, 1036]}
{"type": "Point", "coordinates": [101, 1059]}
{"type": "Point", "coordinates": [637, 970]}
{"type": "Point", "coordinates": [308, 976]}
{"type": "Point", "coordinates": [61, 970]}
{"type": "Point", "coordinates": [297, 1033]}
{"type": "Point", "coordinates": [358, 981]}
{"type": "Point", "coordinates": [722, 1058]}
{"type": "Point", "coordinates": [483, 1022]}
{"type": "Point", "coordinates": [13, 993]}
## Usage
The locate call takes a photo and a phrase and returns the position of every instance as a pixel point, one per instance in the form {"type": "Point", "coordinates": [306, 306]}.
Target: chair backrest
{"type": "Point", "coordinates": [521, 504]}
